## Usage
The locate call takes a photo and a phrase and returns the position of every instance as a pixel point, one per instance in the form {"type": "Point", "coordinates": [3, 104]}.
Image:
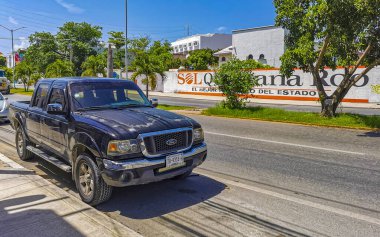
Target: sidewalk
{"type": "Point", "coordinates": [32, 206]}
{"type": "Point", "coordinates": [266, 101]}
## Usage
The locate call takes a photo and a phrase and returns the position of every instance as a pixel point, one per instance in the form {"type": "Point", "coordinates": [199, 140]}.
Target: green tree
{"type": "Point", "coordinates": [35, 77]}
{"type": "Point", "coordinates": [3, 61]}
{"type": "Point", "coordinates": [94, 65]}
{"type": "Point", "coordinates": [78, 40]}
{"type": "Point", "coordinates": [24, 71]}
{"type": "Point", "coordinates": [146, 63]}
{"type": "Point", "coordinates": [43, 50]}
{"type": "Point", "coordinates": [330, 33]}
{"type": "Point", "coordinates": [60, 68]}
{"type": "Point", "coordinates": [117, 38]}
{"type": "Point", "coordinates": [202, 59]}
{"type": "Point", "coordinates": [235, 80]}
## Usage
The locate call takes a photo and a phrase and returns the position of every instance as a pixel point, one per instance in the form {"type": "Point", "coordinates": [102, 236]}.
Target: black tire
{"type": "Point", "coordinates": [91, 193]}
{"type": "Point", "coordinates": [21, 144]}
{"type": "Point", "coordinates": [184, 175]}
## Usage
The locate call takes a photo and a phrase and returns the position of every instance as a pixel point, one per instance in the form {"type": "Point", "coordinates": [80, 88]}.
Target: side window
{"type": "Point", "coordinates": [57, 97]}
{"type": "Point", "coordinates": [41, 95]}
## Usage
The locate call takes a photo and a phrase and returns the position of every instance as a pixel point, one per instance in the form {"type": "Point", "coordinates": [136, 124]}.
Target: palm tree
{"type": "Point", "coordinates": [60, 68]}
{"type": "Point", "coordinates": [146, 64]}
{"type": "Point", "coordinates": [94, 65]}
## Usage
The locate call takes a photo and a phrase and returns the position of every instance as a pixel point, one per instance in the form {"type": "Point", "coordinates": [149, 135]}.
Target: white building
{"type": "Point", "coordinates": [201, 41]}
{"type": "Point", "coordinates": [264, 44]}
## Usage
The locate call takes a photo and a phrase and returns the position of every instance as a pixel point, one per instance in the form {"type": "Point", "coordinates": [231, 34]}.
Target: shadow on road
{"type": "Point", "coordinates": [157, 199]}
{"type": "Point", "coordinates": [370, 134]}
{"type": "Point", "coordinates": [29, 220]}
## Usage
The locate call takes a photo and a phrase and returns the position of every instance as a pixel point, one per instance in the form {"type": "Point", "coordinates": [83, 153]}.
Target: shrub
{"type": "Point", "coordinates": [235, 81]}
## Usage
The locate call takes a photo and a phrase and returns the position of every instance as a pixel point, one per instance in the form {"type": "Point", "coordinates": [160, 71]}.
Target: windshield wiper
{"type": "Point", "coordinates": [97, 108]}
{"type": "Point", "coordinates": [112, 107]}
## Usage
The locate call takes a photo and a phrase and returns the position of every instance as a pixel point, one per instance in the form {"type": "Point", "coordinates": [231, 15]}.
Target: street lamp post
{"type": "Point", "coordinates": [13, 52]}
{"type": "Point", "coordinates": [126, 41]}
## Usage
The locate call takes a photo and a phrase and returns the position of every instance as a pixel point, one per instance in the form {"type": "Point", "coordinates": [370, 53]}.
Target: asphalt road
{"type": "Point", "coordinates": [305, 108]}
{"type": "Point", "coordinates": [260, 179]}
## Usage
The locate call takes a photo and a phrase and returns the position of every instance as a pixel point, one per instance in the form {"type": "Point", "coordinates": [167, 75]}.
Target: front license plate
{"type": "Point", "coordinates": [174, 160]}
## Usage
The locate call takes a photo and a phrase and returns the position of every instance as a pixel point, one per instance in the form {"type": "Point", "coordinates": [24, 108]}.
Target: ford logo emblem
{"type": "Point", "coordinates": [171, 142]}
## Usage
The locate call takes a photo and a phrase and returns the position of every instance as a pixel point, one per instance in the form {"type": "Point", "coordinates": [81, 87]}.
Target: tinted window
{"type": "Point", "coordinates": [57, 97]}
{"type": "Point", "coordinates": [41, 95]}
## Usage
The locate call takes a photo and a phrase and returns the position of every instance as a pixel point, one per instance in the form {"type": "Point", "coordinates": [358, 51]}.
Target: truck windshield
{"type": "Point", "coordinates": [110, 95]}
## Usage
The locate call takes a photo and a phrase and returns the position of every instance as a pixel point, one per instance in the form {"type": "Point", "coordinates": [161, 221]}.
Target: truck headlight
{"type": "Point", "coordinates": [198, 134]}
{"type": "Point", "coordinates": [117, 148]}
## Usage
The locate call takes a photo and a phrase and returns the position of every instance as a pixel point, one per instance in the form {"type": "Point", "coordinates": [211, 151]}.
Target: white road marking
{"type": "Point", "coordinates": [287, 144]}
{"type": "Point", "coordinates": [323, 207]}
{"type": "Point", "coordinates": [10, 162]}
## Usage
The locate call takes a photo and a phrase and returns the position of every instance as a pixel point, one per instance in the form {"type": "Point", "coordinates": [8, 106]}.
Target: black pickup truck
{"type": "Point", "coordinates": [106, 133]}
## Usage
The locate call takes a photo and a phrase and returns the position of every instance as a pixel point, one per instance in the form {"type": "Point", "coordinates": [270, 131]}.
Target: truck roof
{"type": "Point", "coordinates": [68, 80]}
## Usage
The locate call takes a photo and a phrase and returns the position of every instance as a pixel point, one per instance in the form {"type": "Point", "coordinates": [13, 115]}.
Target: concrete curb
{"type": "Point", "coordinates": [96, 218]}
{"type": "Point", "coordinates": [266, 101]}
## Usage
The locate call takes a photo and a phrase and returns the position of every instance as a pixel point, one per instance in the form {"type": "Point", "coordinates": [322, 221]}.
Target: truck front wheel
{"type": "Point", "coordinates": [91, 186]}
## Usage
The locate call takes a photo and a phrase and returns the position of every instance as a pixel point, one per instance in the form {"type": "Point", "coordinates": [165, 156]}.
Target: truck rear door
{"type": "Point", "coordinates": [35, 112]}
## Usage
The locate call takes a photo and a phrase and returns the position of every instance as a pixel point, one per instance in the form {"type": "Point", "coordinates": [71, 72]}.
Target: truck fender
{"type": "Point", "coordinates": [83, 141]}
{"type": "Point", "coordinates": [21, 122]}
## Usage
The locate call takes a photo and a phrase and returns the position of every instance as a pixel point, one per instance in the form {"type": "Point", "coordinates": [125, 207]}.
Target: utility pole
{"type": "Point", "coordinates": [13, 52]}
{"type": "Point", "coordinates": [109, 61]}
{"type": "Point", "coordinates": [126, 39]}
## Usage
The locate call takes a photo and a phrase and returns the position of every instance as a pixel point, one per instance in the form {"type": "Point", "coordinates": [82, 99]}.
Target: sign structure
{"type": "Point", "coordinates": [300, 86]}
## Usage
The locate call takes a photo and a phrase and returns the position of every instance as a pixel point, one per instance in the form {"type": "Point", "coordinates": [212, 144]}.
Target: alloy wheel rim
{"type": "Point", "coordinates": [86, 180]}
{"type": "Point", "coordinates": [20, 143]}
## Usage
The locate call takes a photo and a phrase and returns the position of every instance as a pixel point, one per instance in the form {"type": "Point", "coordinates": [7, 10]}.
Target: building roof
{"type": "Point", "coordinates": [256, 29]}
{"type": "Point", "coordinates": [228, 50]}
{"type": "Point", "coordinates": [198, 35]}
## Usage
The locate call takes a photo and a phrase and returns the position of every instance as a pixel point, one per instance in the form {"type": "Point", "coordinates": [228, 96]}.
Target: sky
{"type": "Point", "coordinates": [158, 19]}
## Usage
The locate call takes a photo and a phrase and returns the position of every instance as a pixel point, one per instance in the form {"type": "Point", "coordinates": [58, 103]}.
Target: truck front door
{"type": "Point", "coordinates": [55, 127]}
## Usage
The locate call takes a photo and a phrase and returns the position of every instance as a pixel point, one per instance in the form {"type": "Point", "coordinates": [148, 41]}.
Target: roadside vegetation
{"type": "Point", "coordinates": [21, 91]}
{"type": "Point", "coordinates": [279, 115]}
{"type": "Point", "coordinates": [236, 79]}
{"type": "Point", "coordinates": [174, 107]}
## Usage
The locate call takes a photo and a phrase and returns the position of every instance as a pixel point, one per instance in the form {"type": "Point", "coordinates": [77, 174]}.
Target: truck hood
{"type": "Point", "coordinates": [129, 123]}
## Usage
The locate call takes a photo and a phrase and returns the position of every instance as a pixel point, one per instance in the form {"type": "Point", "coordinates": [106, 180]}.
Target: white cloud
{"type": "Point", "coordinates": [12, 20]}
{"type": "Point", "coordinates": [23, 43]}
{"type": "Point", "coordinates": [221, 28]}
{"type": "Point", "coordinates": [70, 7]}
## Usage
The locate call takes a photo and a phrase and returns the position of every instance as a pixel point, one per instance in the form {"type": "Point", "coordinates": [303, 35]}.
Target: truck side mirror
{"type": "Point", "coordinates": [56, 109]}
{"type": "Point", "coordinates": [154, 102]}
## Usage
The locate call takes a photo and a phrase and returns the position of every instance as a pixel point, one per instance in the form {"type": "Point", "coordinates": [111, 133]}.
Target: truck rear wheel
{"type": "Point", "coordinates": [21, 144]}
{"type": "Point", "coordinates": [91, 186]}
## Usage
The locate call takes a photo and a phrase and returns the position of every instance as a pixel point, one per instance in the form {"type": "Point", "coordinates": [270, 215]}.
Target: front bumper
{"type": "Point", "coordinates": [144, 170]}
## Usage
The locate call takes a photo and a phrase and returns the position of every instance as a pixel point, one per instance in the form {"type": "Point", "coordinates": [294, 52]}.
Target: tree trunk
{"type": "Point", "coordinates": [147, 87]}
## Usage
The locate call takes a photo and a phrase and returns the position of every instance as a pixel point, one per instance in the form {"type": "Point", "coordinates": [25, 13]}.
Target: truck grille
{"type": "Point", "coordinates": [163, 143]}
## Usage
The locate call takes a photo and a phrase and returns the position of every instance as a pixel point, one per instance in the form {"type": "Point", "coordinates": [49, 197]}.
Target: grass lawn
{"type": "Point", "coordinates": [174, 107]}
{"type": "Point", "coordinates": [280, 115]}
{"type": "Point", "coordinates": [21, 91]}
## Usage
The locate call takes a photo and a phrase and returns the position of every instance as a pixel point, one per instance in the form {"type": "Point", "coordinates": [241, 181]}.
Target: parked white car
{"type": "Point", "coordinates": [5, 84]}
{"type": "Point", "coordinates": [4, 108]}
